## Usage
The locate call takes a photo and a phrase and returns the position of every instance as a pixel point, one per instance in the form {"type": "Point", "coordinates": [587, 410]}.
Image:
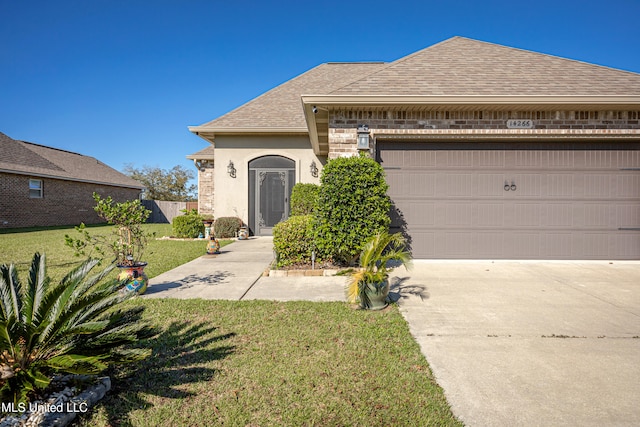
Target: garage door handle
{"type": "Point", "coordinates": [511, 187]}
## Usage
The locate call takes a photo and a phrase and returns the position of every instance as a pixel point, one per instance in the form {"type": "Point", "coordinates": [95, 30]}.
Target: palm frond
{"type": "Point", "coordinates": [69, 327]}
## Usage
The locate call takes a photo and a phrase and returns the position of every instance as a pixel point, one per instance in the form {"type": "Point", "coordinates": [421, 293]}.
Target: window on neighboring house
{"type": "Point", "coordinates": [35, 188]}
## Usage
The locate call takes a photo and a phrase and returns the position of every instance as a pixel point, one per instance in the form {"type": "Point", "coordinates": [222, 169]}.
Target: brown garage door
{"type": "Point", "coordinates": [516, 201]}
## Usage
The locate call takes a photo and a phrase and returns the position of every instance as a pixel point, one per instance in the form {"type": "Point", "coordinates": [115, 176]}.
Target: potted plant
{"type": "Point", "coordinates": [369, 286]}
{"type": "Point", "coordinates": [208, 221]}
{"type": "Point", "coordinates": [127, 241]}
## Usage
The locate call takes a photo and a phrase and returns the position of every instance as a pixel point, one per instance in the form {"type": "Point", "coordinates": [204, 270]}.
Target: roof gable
{"type": "Point", "coordinates": [465, 67]}
{"type": "Point", "coordinates": [32, 159]}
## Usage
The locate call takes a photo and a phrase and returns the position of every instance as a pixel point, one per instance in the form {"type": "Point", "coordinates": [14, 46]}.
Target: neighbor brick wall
{"type": "Point", "coordinates": [343, 124]}
{"type": "Point", "coordinates": [63, 202]}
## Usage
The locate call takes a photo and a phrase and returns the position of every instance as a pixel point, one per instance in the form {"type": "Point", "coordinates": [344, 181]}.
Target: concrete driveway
{"type": "Point", "coordinates": [529, 343]}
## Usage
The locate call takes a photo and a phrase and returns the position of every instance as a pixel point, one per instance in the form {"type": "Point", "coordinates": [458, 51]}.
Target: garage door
{"type": "Point", "coordinates": [516, 201]}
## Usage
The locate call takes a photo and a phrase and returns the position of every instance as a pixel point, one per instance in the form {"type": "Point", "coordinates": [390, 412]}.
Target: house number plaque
{"type": "Point", "coordinates": [520, 124]}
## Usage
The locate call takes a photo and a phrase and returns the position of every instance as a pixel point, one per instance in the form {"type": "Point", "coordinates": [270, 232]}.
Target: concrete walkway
{"type": "Point", "coordinates": [511, 343]}
{"type": "Point", "coordinates": [236, 274]}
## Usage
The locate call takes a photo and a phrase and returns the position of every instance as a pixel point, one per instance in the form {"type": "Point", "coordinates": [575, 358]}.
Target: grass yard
{"type": "Point", "coordinates": [261, 363]}
{"type": "Point", "coordinates": [254, 363]}
{"type": "Point", "coordinates": [18, 247]}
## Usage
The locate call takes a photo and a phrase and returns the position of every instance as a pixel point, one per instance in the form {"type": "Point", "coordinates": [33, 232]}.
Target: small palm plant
{"type": "Point", "coordinates": [377, 255]}
{"type": "Point", "coordinates": [73, 327]}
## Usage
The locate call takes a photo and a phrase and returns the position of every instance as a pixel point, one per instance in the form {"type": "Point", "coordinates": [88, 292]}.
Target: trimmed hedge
{"type": "Point", "coordinates": [227, 226]}
{"type": "Point", "coordinates": [293, 240]}
{"type": "Point", "coordinates": [304, 198]}
{"type": "Point", "coordinates": [187, 226]}
{"type": "Point", "coordinates": [352, 206]}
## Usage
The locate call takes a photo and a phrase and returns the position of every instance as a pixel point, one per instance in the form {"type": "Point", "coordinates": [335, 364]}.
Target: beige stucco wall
{"type": "Point", "coordinates": [231, 194]}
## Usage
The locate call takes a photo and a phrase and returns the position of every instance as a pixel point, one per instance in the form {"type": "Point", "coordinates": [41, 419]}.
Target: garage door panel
{"type": "Point", "coordinates": [599, 215]}
{"type": "Point", "coordinates": [627, 159]}
{"type": "Point", "coordinates": [626, 244]}
{"type": "Point", "coordinates": [628, 216]}
{"type": "Point", "coordinates": [560, 215]}
{"type": "Point", "coordinates": [559, 245]}
{"type": "Point", "coordinates": [522, 245]}
{"type": "Point", "coordinates": [456, 244]}
{"type": "Point", "coordinates": [489, 159]}
{"type": "Point", "coordinates": [527, 185]}
{"type": "Point", "coordinates": [458, 215]}
{"type": "Point", "coordinates": [560, 186]}
{"type": "Point", "coordinates": [526, 215]}
{"type": "Point", "coordinates": [421, 214]}
{"type": "Point", "coordinates": [567, 203]}
{"type": "Point", "coordinates": [454, 184]}
{"type": "Point", "coordinates": [490, 185]}
{"type": "Point", "coordinates": [628, 186]}
{"type": "Point", "coordinates": [489, 215]}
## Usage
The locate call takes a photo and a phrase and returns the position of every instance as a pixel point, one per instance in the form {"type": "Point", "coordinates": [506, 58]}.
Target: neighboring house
{"type": "Point", "coordinates": [490, 152]}
{"type": "Point", "coordinates": [41, 186]}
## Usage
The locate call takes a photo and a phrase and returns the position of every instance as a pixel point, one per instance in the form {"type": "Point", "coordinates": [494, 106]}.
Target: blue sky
{"type": "Point", "coordinates": [121, 80]}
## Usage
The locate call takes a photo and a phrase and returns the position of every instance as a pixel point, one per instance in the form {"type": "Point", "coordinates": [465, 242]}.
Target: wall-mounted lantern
{"type": "Point", "coordinates": [314, 169]}
{"type": "Point", "coordinates": [231, 170]}
{"type": "Point", "coordinates": [363, 137]}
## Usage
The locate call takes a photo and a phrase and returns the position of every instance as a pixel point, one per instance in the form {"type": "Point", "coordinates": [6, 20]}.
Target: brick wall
{"type": "Point", "coordinates": [63, 202]}
{"type": "Point", "coordinates": [205, 188]}
{"type": "Point", "coordinates": [438, 124]}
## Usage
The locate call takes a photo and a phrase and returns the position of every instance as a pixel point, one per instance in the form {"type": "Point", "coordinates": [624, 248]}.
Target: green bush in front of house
{"type": "Point", "coordinates": [352, 206]}
{"type": "Point", "coordinates": [227, 226]}
{"type": "Point", "coordinates": [304, 198]}
{"type": "Point", "coordinates": [189, 225]}
{"type": "Point", "coordinates": [293, 240]}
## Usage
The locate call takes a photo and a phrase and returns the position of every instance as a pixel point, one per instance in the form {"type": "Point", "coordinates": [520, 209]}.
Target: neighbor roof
{"type": "Point", "coordinates": [26, 158]}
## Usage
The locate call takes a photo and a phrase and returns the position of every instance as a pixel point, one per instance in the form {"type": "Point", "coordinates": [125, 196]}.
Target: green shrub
{"type": "Point", "coordinates": [304, 198]}
{"type": "Point", "coordinates": [189, 225]}
{"type": "Point", "coordinates": [227, 226]}
{"type": "Point", "coordinates": [352, 206]}
{"type": "Point", "coordinates": [72, 327]}
{"type": "Point", "coordinates": [293, 240]}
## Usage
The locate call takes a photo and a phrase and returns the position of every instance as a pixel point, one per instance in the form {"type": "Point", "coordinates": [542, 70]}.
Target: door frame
{"type": "Point", "coordinates": [286, 167]}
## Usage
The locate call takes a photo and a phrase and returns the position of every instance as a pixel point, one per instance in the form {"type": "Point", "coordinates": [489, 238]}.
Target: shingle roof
{"type": "Point", "coordinates": [281, 107]}
{"type": "Point", "coordinates": [32, 159]}
{"type": "Point", "coordinates": [454, 67]}
{"type": "Point", "coordinates": [206, 153]}
{"type": "Point", "coordinates": [461, 66]}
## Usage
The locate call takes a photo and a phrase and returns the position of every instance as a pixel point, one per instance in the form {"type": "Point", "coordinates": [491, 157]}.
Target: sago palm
{"type": "Point", "coordinates": [72, 326]}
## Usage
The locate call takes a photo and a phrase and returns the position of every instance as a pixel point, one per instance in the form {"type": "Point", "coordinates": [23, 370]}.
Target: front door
{"type": "Point", "coordinates": [270, 180]}
{"type": "Point", "coordinates": [272, 199]}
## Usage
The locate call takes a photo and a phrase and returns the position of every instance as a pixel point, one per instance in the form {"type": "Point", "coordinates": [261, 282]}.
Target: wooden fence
{"type": "Point", "coordinates": [164, 212]}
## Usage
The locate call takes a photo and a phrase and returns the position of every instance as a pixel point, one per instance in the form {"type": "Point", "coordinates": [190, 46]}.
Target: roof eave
{"type": "Point", "coordinates": [64, 178]}
{"type": "Point", "coordinates": [479, 100]}
{"type": "Point", "coordinates": [209, 132]}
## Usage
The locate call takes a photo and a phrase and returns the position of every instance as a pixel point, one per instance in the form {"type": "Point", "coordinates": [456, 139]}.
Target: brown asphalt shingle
{"type": "Point", "coordinates": [33, 159]}
{"type": "Point", "coordinates": [457, 66]}
{"type": "Point", "coordinates": [461, 66]}
{"type": "Point", "coordinates": [282, 107]}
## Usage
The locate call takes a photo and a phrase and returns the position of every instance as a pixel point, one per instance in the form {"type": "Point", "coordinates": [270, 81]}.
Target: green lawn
{"type": "Point", "coordinates": [257, 363]}
{"type": "Point", "coordinates": [261, 363]}
{"type": "Point", "coordinates": [18, 247]}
